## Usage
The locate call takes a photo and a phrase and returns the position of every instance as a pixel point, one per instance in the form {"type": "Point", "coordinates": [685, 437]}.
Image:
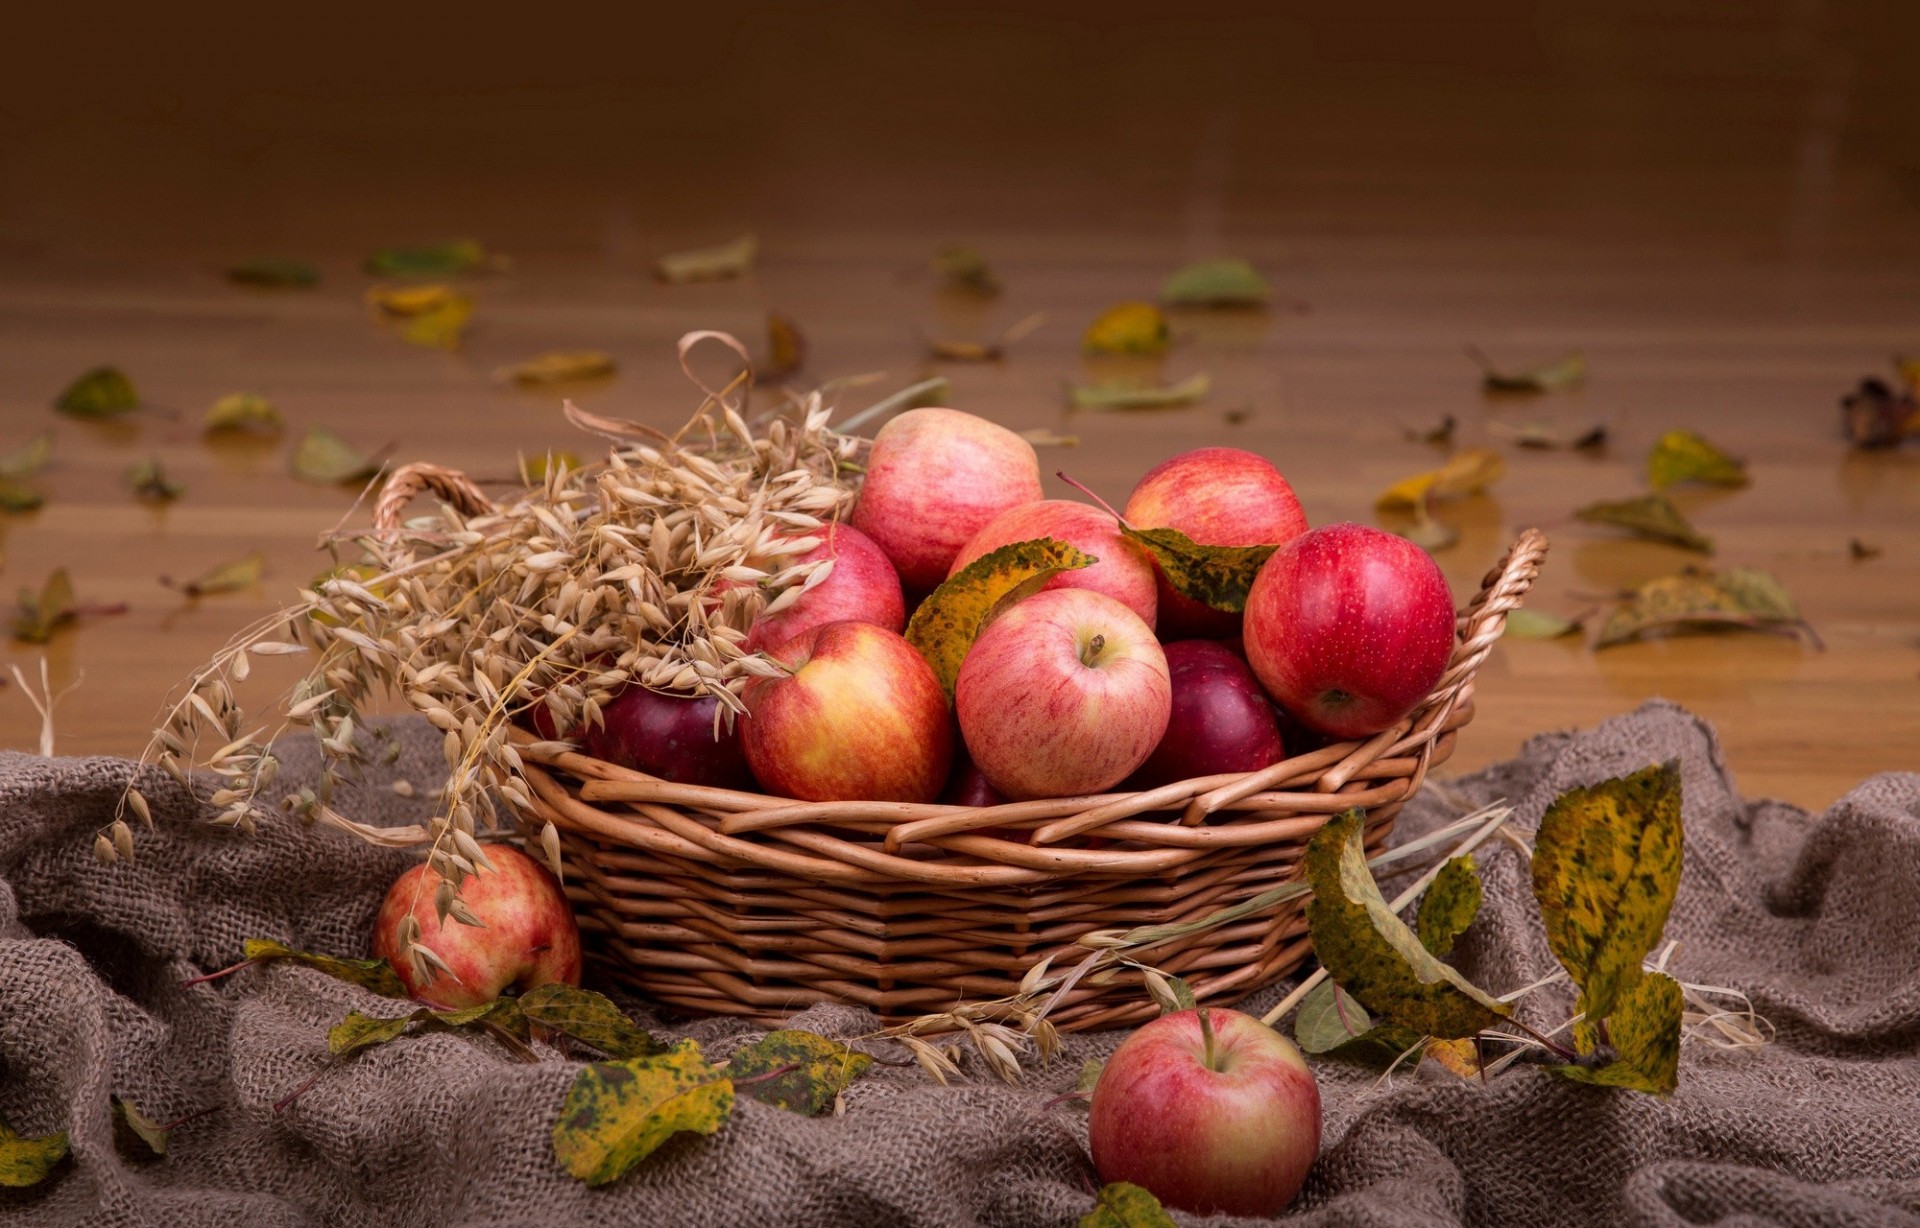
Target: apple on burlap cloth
{"type": "Point", "coordinates": [1818, 918]}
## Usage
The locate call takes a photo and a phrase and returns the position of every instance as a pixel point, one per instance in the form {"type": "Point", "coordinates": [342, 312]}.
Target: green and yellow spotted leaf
{"type": "Point", "coordinates": [820, 1070]}
{"type": "Point", "coordinates": [1215, 576]}
{"type": "Point", "coordinates": [27, 1161]}
{"type": "Point", "coordinates": [374, 974]}
{"type": "Point", "coordinates": [588, 1017]}
{"type": "Point", "coordinates": [952, 617]}
{"type": "Point", "coordinates": [1121, 1205]}
{"type": "Point", "coordinates": [1451, 903]}
{"type": "Point", "coordinates": [1644, 1030]}
{"type": "Point", "coordinates": [1683, 456]}
{"type": "Point", "coordinates": [618, 1113]}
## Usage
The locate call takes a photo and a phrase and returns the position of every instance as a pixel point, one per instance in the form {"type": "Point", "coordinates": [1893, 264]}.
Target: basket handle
{"type": "Point", "coordinates": [409, 481]}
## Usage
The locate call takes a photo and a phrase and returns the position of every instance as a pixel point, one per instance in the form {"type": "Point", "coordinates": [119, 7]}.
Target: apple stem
{"type": "Point", "coordinates": [1092, 651]}
{"type": "Point", "coordinates": [177, 1122]}
{"type": "Point", "coordinates": [280, 1105]}
{"type": "Point", "coordinates": [1062, 475]}
{"type": "Point", "coordinates": [214, 976]}
{"type": "Point", "coordinates": [1206, 1035]}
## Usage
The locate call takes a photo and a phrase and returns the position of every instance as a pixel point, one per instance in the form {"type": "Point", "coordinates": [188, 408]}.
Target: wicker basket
{"type": "Point", "coordinates": [720, 902]}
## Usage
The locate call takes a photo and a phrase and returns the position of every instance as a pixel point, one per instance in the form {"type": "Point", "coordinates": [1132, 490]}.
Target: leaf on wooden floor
{"type": "Point", "coordinates": [1047, 437]}
{"type": "Point", "coordinates": [1561, 375]}
{"type": "Point", "coordinates": [1531, 624]}
{"type": "Point", "coordinates": [150, 482]}
{"type": "Point", "coordinates": [274, 273]}
{"type": "Point", "coordinates": [243, 411]}
{"type": "Point", "coordinates": [1878, 415]}
{"type": "Point", "coordinates": [374, 974]}
{"type": "Point", "coordinates": [954, 614]}
{"type": "Point", "coordinates": [786, 350]}
{"type": "Point", "coordinates": [1859, 551]}
{"type": "Point", "coordinates": [590, 1018]}
{"type": "Point", "coordinates": [1128, 328]}
{"type": "Point", "coordinates": [323, 456]}
{"type": "Point", "coordinates": [1372, 954]}
{"type": "Point", "coordinates": [984, 351]}
{"type": "Point", "coordinates": [442, 328]}
{"type": "Point", "coordinates": [45, 612]}
{"type": "Point", "coordinates": [1440, 435]}
{"type": "Point", "coordinates": [1215, 576]}
{"type": "Point", "coordinates": [1540, 436]}
{"type": "Point", "coordinates": [1467, 472]}
{"type": "Point", "coordinates": [29, 458]}
{"type": "Point", "coordinates": [557, 367]}
{"type": "Point", "coordinates": [226, 578]}
{"type": "Point", "coordinates": [1449, 906]}
{"type": "Point", "coordinates": [618, 1113]}
{"type": "Point", "coordinates": [1428, 531]}
{"type": "Point", "coordinates": [18, 496]}
{"type": "Point", "coordinates": [796, 1070]}
{"type": "Point", "coordinates": [406, 302]}
{"type": "Point", "coordinates": [28, 1161]}
{"type": "Point", "coordinates": [719, 263]}
{"type": "Point", "coordinates": [1684, 456]}
{"type": "Point", "coordinates": [435, 260]}
{"type": "Point", "coordinates": [1226, 282]}
{"type": "Point", "coordinates": [1653, 517]}
{"type": "Point", "coordinates": [1695, 600]}
{"type": "Point", "coordinates": [104, 392]}
{"type": "Point", "coordinates": [963, 267]}
{"type": "Point", "coordinates": [137, 1134]}
{"type": "Point", "coordinates": [1131, 394]}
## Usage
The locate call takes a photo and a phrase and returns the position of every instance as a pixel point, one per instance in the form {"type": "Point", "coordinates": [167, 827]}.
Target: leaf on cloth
{"type": "Point", "coordinates": [151, 484]}
{"type": "Point", "coordinates": [323, 456]}
{"type": "Point", "coordinates": [1461, 1056]}
{"type": "Point", "coordinates": [1441, 435]}
{"type": "Point", "coordinates": [1131, 394]}
{"type": "Point", "coordinates": [104, 392]}
{"type": "Point", "coordinates": [135, 1133]}
{"type": "Point", "coordinates": [226, 578]}
{"type": "Point", "coordinates": [953, 615]}
{"type": "Point", "coordinates": [1467, 472]}
{"type": "Point", "coordinates": [786, 350]}
{"type": "Point", "coordinates": [374, 974]}
{"type": "Point", "coordinates": [1875, 415]}
{"type": "Point", "coordinates": [1227, 282]}
{"type": "Point", "coordinates": [1372, 954]}
{"type": "Point", "coordinates": [1542, 437]}
{"type": "Point", "coordinates": [1449, 906]}
{"type": "Point", "coordinates": [43, 613]}
{"type": "Point", "coordinates": [1120, 1205]}
{"type": "Point", "coordinates": [1653, 517]}
{"type": "Point", "coordinates": [1606, 864]}
{"type": "Point", "coordinates": [590, 1018]}
{"type": "Point", "coordinates": [1128, 328]}
{"type": "Point", "coordinates": [1089, 1074]}
{"type": "Point", "coordinates": [557, 367]}
{"type": "Point", "coordinates": [1562, 374]}
{"type": "Point", "coordinates": [243, 411]}
{"type": "Point", "coordinates": [18, 496]}
{"type": "Point", "coordinates": [964, 268]}
{"type": "Point", "coordinates": [358, 1031]}
{"type": "Point", "coordinates": [1683, 456]}
{"type": "Point", "coordinates": [1644, 1032]}
{"type": "Point", "coordinates": [435, 260]}
{"type": "Point", "coordinates": [1216, 576]}
{"type": "Point", "coordinates": [29, 458]}
{"type": "Point", "coordinates": [617, 1113]}
{"type": "Point", "coordinates": [1696, 600]}
{"type": "Point", "coordinates": [274, 273]}
{"type": "Point", "coordinates": [27, 1161]}
{"type": "Point", "coordinates": [719, 263]}
{"type": "Point", "coordinates": [821, 1070]}
{"type": "Point", "coordinates": [1528, 624]}
{"type": "Point", "coordinates": [1329, 1018]}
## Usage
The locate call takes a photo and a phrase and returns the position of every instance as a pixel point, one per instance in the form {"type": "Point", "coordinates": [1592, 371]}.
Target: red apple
{"type": "Point", "coordinates": [862, 587]}
{"type": "Point", "coordinates": [1208, 1122]}
{"type": "Point", "coordinates": [1222, 721]}
{"type": "Point", "coordinates": [1124, 571]}
{"type": "Point", "coordinates": [673, 737]}
{"type": "Point", "coordinates": [861, 717]}
{"type": "Point", "coordinates": [1217, 497]}
{"type": "Point", "coordinates": [1349, 627]}
{"type": "Point", "coordinates": [1065, 693]}
{"type": "Point", "coordinates": [527, 936]}
{"type": "Point", "coordinates": [935, 477]}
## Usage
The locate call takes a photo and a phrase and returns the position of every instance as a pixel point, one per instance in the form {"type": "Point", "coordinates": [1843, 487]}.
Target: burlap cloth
{"type": "Point", "coordinates": [1817, 918]}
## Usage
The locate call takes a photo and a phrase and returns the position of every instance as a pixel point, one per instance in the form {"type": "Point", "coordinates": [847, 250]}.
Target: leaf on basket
{"type": "Point", "coordinates": [29, 458]}
{"type": "Point", "coordinates": [1562, 374]}
{"type": "Point", "coordinates": [1127, 328]}
{"type": "Point", "coordinates": [323, 456]}
{"type": "Point", "coordinates": [27, 1161]}
{"type": "Point", "coordinates": [1606, 864]}
{"type": "Point", "coordinates": [949, 620]}
{"type": "Point", "coordinates": [1653, 517]}
{"type": "Point", "coordinates": [1644, 1032]}
{"type": "Point", "coordinates": [104, 392]}
{"type": "Point", "coordinates": [1526, 624]}
{"type": "Point", "coordinates": [1227, 282]}
{"type": "Point", "coordinates": [718, 263]}
{"type": "Point", "coordinates": [812, 1071]}
{"type": "Point", "coordinates": [243, 411]}
{"type": "Point", "coordinates": [151, 484]}
{"type": "Point", "coordinates": [135, 1133]}
{"type": "Point", "coordinates": [274, 273]}
{"type": "Point", "coordinates": [435, 260]}
{"type": "Point", "coordinates": [43, 613]}
{"type": "Point", "coordinates": [358, 1031]}
{"type": "Point", "coordinates": [1121, 1205]}
{"type": "Point", "coordinates": [964, 268]}
{"type": "Point", "coordinates": [617, 1113]}
{"type": "Point", "coordinates": [374, 974]}
{"type": "Point", "coordinates": [558, 367]}
{"type": "Point", "coordinates": [1372, 954]}
{"type": "Point", "coordinates": [1683, 456]}
{"type": "Point", "coordinates": [1216, 576]}
{"type": "Point", "coordinates": [1468, 472]}
{"type": "Point", "coordinates": [590, 1018]}
{"type": "Point", "coordinates": [226, 578]}
{"type": "Point", "coordinates": [1697, 600]}
{"type": "Point", "coordinates": [1131, 394]}
{"type": "Point", "coordinates": [1451, 903]}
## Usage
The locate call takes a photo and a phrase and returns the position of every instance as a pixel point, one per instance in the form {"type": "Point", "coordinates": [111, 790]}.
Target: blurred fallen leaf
{"type": "Point", "coordinates": [1468, 472]}
{"type": "Point", "coordinates": [1429, 533]}
{"type": "Point", "coordinates": [323, 456]}
{"type": "Point", "coordinates": [1859, 550]}
{"type": "Point", "coordinates": [1128, 328]}
{"type": "Point", "coordinates": [786, 350]}
{"type": "Point", "coordinates": [985, 351]}
{"type": "Point", "coordinates": [1234, 417]}
{"type": "Point", "coordinates": [1698, 600]}
{"type": "Point", "coordinates": [45, 612]}
{"type": "Point", "coordinates": [226, 578]}
{"type": "Point", "coordinates": [273, 273]}
{"type": "Point", "coordinates": [964, 268]}
{"type": "Point", "coordinates": [435, 260]}
{"type": "Point", "coordinates": [1875, 415]}
{"type": "Point", "coordinates": [719, 263]}
{"type": "Point", "coordinates": [1226, 282]}
{"type": "Point", "coordinates": [1561, 375]}
{"type": "Point", "coordinates": [1650, 516]}
{"type": "Point", "coordinates": [1683, 456]}
{"type": "Point", "coordinates": [1047, 437]}
{"type": "Point", "coordinates": [103, 392]}
{"type": "Point", "coordinates": [557, 367]}
{"type": "Point", "coordinates": [1540, 435]}
{"type": "Point", "coordinates": [243, 411]}
{"type": "Point", "coordinates": [1530, 624]}
{"type": "Point", "coordinates": [1131, 395]}
{"type": "Point", "coordinates": [534, 469]}
{"type": "Point", "coordinates": [17, 496]}
{"type": "Point", "coordinates": [1441, 435]}
{"type": "Point", "coordinates": [405, 302]}
{"type": "Point", "coordinates": [29, 458]}
{"type": "Point", "coordinates": [442, 327]}
{"type": "Point", "coordinates": [151, 484]}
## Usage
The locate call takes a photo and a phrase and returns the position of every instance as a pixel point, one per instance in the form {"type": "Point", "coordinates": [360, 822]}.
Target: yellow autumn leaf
{"type": "Point", "coordinates": [952, 616]}
{"type": "Point", "coordinates": [405, 302]}
{"type": "Point", "coordinates": [441, 328]}
{"type": "Point", "coordinates": [795, 1070]}
{"type": "Point", "coordinates": [1683, 456]}
{"type": "Point", "coordinates": [558, 367]}
{"type": "Point", "coordinates": [1215, 576]}
{"type": "Point", "coordinates": [1128, 328]}
{"type": "Point", "coordinates": [618, 1113]}
{"type": "Point", "coordinates": [1468, 472]}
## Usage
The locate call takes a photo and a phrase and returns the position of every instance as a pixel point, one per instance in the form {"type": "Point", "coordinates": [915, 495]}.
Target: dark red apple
{"type": "Point", "coordinates": [1349, 627]}
{"type": "Point", "coordinates": [672, 737]}
{"type": "Point", "coordinates": [969, 786]}
{"type": "Point", "coordinates": [1222, 721]}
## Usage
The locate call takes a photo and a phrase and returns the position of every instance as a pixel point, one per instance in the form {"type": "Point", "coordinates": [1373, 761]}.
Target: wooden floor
{"type": "Point", "coordinates": [1719, 207]}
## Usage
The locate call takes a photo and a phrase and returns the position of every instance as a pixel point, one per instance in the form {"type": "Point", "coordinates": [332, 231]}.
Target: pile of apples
{"type": "Point", "coordinates": [1108, 677]}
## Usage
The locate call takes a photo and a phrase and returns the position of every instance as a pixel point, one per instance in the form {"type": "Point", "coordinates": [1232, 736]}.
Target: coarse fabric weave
{"type": "Point", "coordinates": [1816, 918]}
